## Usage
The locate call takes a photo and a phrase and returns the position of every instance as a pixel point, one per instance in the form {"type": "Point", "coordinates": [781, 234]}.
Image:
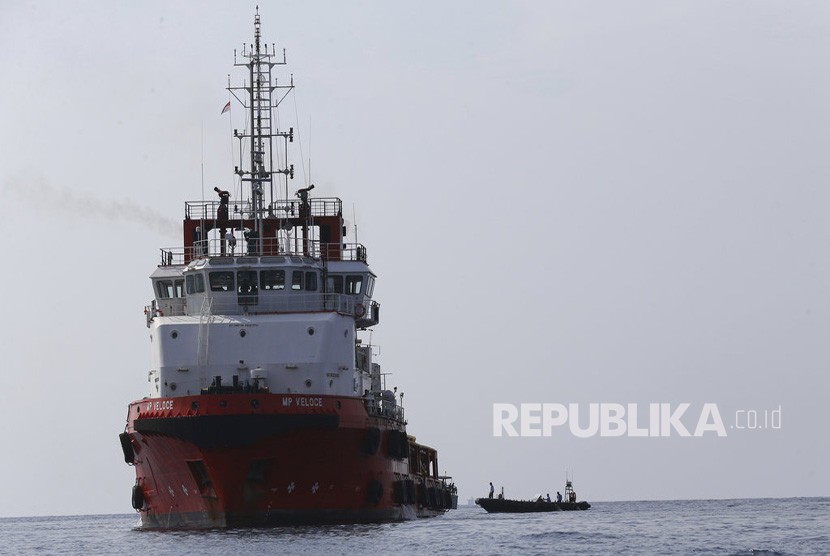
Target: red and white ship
{"type": "Point", "coordinates": [265, 405]}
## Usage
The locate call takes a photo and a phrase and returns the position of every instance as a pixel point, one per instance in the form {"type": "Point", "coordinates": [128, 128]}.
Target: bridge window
{"type": "Point", "coordinates": [354, 282]}
{"type": "Point", "coordinates": [311, 281]}
{"type": "Point", "coordinates": [297, 280]}
{"type": "Point", "coordinates": [246, 282]}
{"type": "Point", "coordinates": [164, 288]}
{"type": "Point", "coordinates": [304, 280]}
{"type": "Point", "coordinates": [195, 283]}
{"type": "Point", "coordinates": [169, 288]}
{"type": "Point", "coordinates": [335, 284]}
{"type": "Point", "coordinates": [272, 279]}
{"type": "Point", "coordinates": [221, 281]}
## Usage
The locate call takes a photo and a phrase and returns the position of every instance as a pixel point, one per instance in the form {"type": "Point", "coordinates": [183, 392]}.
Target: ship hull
{"type": "Point", "coordinates": [250, 460]}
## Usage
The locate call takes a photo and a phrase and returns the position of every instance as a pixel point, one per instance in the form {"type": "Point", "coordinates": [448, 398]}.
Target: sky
{"type": "Point", "coordinates": [565, 203]}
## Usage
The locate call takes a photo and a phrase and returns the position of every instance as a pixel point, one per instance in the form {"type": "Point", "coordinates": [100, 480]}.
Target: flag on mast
{"type": "Point", "coordinates": [227, 107]}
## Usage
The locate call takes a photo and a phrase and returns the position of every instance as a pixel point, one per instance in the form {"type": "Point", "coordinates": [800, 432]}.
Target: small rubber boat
{"type": "Point", "coordinates": [504, 505]}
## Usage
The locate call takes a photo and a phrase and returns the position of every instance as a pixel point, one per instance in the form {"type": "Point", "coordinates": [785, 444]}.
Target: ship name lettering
{"type": "Point", "coordinates": [166, 404]}
{"type": "Point", "coordinates": [310, 402]}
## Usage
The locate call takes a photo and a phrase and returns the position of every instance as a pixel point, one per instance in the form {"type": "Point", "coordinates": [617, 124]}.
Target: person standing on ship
{"type": "Point", "coordinates": [491, 490]}
{"type": "Point", "coordinates": [224, 199]}
{"type": "Point", "coordinates": [558, 496]}
{"type": "Point", "coordinates": [231, 241]}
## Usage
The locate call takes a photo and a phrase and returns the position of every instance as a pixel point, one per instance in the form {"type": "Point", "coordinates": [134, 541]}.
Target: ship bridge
{"type": "Point", "coordinates": [299, 264]}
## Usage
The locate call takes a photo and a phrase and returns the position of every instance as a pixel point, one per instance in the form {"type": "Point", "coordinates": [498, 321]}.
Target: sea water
{"type": "Point", "coordinates": [731, 527]}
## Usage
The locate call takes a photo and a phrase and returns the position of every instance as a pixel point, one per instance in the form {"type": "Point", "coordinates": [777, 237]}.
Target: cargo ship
{"type": "Point", "coordinates": [265, 404]}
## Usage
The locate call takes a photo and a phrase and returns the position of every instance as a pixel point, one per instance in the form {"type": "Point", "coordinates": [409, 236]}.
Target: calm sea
{"type": "Point", "coordinates": [736, 527]}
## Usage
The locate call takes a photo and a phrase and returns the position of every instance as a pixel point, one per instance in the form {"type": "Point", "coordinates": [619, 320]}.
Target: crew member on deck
{"type": "Point", "coordinates": [231, 240]}
{"type": "Point", "coordinates": [491, 490]}
{"type": "Point", "coordinates": [251, 236]}
{"type": "Point", "coordinates": [558, 496]}
{"type": "Point", "coordinates": [305, 207]}
{"type": "Point", "coordinates": [224, 198]}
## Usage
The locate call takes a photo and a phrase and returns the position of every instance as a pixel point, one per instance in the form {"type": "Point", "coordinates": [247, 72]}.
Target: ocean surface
{"type": "Point", "coordinates": [732, 527]}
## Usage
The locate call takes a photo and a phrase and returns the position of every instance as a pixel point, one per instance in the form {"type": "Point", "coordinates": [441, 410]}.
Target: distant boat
{"type": "Point", "coordinates": [503, 505]}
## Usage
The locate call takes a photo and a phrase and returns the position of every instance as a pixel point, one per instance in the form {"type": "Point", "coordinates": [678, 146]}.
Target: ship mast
{"type": "Point", "coordinates": [261, 96]}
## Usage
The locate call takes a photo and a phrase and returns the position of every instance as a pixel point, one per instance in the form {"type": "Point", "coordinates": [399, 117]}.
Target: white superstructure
{"type": "Point", "coordinates": [283, 322]}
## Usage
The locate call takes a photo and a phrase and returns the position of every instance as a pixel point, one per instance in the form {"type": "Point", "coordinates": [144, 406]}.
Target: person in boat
{"type": "Point", "coordinates": [491, 490]}
{"type": "Point", "coordinates": [558, 496]}
{"type": "Point", "coordinates": [224, 198]}
{"type": "Point", "coordinates": [548, 497]}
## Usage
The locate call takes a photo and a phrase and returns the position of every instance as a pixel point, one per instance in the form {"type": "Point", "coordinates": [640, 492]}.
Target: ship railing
{"type": "Point", "coordinates": [271, 247]}
{"type": "Point", "coordinates": [281, 208]}
{"type": "Point", "coordinates": [387, 409]}
{"type": "Point", "coordinates": [265, 302]}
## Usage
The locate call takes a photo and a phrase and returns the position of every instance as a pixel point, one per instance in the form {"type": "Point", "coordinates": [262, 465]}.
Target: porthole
{"type": "Point", "coordinates": [311, 331]}
{"type": "Point", "coordinates": [255, 403]}
{"type": "Point", "coordinates": [174, 334]}
{"type": "Point", "coordinates": [173, 386]}
{"type": "Point", "coordinates": [194, 406]}
{"type": "Point", "coordinates": [308, 383]}
{"type": "Point", "coordinates": [242, 333]}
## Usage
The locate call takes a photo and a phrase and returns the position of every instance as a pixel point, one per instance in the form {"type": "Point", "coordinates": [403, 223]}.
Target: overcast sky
{"type": "Point", "coordinates": [565, 202]}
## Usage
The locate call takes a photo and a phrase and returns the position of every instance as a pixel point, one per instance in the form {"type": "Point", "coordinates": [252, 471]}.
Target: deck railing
{"type": "Point", "coordinates": [290, 208]}
{"type": "Point", "coordinates": [384, 408]}
{"type": "Point", "coordinates": [171, 256]}
{"type": "Point", "coordinates": [268, 302]}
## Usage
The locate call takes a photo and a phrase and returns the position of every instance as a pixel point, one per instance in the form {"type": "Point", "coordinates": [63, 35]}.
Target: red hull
{"type": "Point", "coordinates": [224, 460]}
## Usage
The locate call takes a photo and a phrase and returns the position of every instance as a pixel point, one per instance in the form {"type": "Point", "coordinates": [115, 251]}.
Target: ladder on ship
{"type": "Point", "coordinates": [261, 112]}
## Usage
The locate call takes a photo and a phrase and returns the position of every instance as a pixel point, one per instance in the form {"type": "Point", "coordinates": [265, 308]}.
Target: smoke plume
{"type": "Point", "coordinates": [82, 205]}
